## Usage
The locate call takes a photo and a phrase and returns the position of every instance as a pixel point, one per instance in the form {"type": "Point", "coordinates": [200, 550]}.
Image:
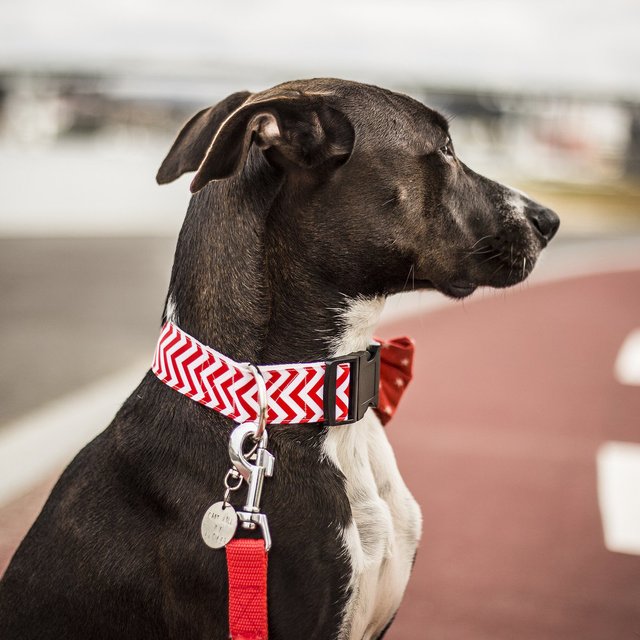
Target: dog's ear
{"type": "Point", "coordinates": [294, 129]}
{"type": "Point", "coordinates": [193, 141]}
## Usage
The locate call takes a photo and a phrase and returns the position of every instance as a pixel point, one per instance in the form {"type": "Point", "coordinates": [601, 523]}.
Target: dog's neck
{"type": "Point", "coordinates": [241, 284]}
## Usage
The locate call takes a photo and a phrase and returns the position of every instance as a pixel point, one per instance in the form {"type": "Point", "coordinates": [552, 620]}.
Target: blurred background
{"type": "Point", "coordinates": [530, 430]}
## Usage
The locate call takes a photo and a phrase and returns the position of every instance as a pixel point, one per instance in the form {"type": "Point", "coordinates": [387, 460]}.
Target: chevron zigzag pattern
{"type": "Point", "coordinates": [295, 391]}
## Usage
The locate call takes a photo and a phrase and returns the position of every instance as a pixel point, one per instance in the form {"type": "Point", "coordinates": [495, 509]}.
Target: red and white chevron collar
{"type": "Point", "coordinates": [296, 392]}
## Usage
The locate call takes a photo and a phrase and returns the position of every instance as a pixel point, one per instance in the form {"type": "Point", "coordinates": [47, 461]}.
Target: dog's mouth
{"type": "Point", "coordinates": [457, 289]}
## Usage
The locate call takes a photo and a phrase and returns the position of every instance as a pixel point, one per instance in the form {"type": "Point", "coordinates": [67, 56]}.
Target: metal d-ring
{"type": "Point", "coordinates": [262, 401]}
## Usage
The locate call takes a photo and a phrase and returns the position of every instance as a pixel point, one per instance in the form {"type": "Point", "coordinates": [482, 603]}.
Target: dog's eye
{"type": "Point", "coordinates": [447, 150]}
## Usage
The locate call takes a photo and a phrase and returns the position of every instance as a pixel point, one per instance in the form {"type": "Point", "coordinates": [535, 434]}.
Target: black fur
{"type": "Point", "coordinates": [354, 196]}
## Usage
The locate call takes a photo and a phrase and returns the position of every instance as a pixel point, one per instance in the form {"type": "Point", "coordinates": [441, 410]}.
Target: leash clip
{"type": "Point", "coordinates": [254, 474]}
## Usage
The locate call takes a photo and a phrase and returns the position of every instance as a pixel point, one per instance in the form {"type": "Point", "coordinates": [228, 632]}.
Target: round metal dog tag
{"type": "Point", "coordinates": [219, 525]}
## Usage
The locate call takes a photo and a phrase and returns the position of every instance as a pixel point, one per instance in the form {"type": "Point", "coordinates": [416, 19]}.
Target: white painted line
{"type": "Point", "coordinates": [627, 367]}
{"type": "Point", "coordinates": [41, 443]}
{"type": "Point", "coordinates": [619, 495]}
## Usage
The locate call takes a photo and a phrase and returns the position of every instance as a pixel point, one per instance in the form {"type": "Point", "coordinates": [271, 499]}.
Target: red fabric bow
{"type": "Point", "coordinates": [396, 371]}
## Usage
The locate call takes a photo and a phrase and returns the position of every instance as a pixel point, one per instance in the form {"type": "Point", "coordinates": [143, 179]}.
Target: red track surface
{"type": "Point", "coordinates": [511, 400]}
{"type": "Point", "coordinates": [497, 439]}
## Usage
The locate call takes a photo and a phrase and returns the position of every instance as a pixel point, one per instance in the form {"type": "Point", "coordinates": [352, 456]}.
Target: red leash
{"type": "Point", "coordinates": [247, 566]}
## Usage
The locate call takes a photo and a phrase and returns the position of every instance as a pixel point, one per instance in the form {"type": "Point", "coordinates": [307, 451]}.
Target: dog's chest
{"type": "Point", "coordinates": [382, 537]}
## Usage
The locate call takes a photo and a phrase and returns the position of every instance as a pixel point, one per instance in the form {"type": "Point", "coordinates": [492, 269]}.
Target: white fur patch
{"type": "Point", "coordinates": [382, 538]}
{"type": "Point", "coordinates": [360, 320]}
{"type": "Point", "coordinates": [269, 129]}
{"type": "Point", "coordinates": [516, 203]}
{"type": "Point", "coordinates": [170, 311]}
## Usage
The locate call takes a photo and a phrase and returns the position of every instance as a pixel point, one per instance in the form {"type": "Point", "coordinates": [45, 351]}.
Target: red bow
{"type": "Point", "coordinates": [396, 371]}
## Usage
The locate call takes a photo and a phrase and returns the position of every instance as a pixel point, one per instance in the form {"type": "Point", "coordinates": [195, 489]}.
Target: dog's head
{"type": "Point", "coordinates": [373, 186]}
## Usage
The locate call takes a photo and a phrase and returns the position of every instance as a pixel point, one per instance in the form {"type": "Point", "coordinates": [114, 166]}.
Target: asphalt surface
{"type": "Point", "coordinates": [513, 396]}
{"type": "Point", "coordinates": [73, 311]}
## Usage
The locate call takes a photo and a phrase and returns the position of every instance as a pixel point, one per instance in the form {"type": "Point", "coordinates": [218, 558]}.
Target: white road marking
{"type": "Point", "coordinates": [619, 495]}
{"type": "Point", "coordinates": [627, 367]}
{"type": "Point", "coordinates": [44, 441]}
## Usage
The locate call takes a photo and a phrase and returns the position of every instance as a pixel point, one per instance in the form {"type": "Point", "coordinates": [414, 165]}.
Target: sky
{"type": "Point", "coordinates": [523, 45]}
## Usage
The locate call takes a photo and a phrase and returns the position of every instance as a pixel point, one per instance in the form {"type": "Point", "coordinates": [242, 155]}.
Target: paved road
{"type": "Point", "coordinates": [74, 310]}
{"type": "Point", "coordinates": [512, 399]}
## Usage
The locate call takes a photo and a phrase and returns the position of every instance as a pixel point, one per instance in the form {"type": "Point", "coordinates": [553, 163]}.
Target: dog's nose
{"type": "Point", "coordinates": [544, 221]}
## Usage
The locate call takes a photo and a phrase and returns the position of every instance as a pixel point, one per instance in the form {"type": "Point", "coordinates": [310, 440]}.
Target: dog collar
{"type": "Point", "coordinates": [335, 392]}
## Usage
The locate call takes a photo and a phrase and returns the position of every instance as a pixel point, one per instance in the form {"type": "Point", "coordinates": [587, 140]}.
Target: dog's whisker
{"type": "Point", "coordinates": [480, 250]}
{"type": "Point", "coordinates": [498, 255]}
{"type": "Point", "coordinates": [411, 275]}
{"type": "Point", "coordinates": [477, 242]}
{"type": "Point", "coordinates": [500, 266]}
{"type": "Point", "coordinates": [511, 263]}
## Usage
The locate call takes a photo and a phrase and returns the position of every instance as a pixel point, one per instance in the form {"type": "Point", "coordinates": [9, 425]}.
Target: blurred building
{"type": "Point", "coordinates": [543, 136]}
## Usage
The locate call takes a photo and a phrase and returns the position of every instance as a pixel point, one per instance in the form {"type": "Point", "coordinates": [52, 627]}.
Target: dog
{"type": "Point", "coordinates": [312, 202]}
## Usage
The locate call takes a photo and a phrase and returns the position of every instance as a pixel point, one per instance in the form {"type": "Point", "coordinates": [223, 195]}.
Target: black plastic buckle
{"type": "Point", "coordinates": [364, 383]}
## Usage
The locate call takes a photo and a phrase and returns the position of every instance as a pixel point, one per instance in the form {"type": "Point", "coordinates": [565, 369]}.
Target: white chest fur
{"type": "Point", "coordinates": [383, 535]}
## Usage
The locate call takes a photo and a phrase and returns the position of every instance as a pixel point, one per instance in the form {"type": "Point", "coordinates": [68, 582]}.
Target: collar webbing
{"type": "Point", "coordinates": [338, 391]}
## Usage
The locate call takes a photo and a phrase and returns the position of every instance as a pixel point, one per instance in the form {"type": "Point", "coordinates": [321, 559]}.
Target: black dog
{"type": "Point", "coordinates": [314, 201]}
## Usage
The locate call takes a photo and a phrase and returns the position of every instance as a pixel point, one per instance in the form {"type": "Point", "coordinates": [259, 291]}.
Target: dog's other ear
{"type": "Point", "coordinates": [294, 129]}
{"type": "Point", "coordinates": [190, 147]}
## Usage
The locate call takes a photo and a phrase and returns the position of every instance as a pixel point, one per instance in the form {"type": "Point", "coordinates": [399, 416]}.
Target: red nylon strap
{"type": "Point", "coordinates": [247, 567]}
